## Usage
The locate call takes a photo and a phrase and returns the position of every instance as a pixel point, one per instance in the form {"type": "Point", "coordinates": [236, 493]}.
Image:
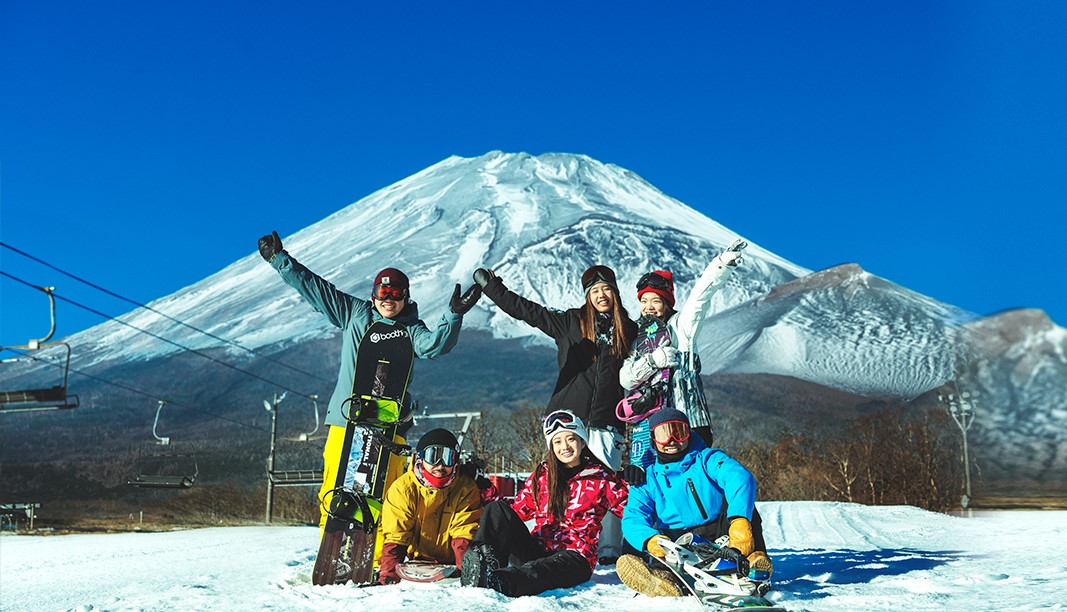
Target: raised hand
{"type": "Point", "coordinates": [461, 304]}
{"type": "Point", "coordinates": [483, 276]}
{"type": "Point", "coordinates": [732, 255]}
{"type": "Point", "coordinates": [270, 245]}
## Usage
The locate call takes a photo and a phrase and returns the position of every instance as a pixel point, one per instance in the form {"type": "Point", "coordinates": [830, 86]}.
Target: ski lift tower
{"type": "Point", "coordinates": [272, 407]}
{"type": "Point", "coordinates": [961, 406]}
{"type": "Point", "coordinates": [467, 416]}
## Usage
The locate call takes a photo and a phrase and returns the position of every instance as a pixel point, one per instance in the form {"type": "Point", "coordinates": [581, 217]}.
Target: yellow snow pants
{"type": "Point", "coordinates": [331, 457]}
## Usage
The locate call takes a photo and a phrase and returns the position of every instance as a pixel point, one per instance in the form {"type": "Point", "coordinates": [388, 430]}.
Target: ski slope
{"type": "Point", "coordinates": [828, 556]}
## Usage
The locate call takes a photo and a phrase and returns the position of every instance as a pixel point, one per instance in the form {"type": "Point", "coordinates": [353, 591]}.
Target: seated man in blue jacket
{"type": "Point", "coordinates": [690, 488]}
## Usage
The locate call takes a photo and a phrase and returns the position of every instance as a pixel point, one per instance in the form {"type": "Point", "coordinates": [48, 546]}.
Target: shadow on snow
{"type": "Point", "coordinates": [806, 573]}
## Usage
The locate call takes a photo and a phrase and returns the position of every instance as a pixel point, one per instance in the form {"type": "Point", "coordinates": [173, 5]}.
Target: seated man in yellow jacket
{"type": "Point", "coordinates": [432, 511]}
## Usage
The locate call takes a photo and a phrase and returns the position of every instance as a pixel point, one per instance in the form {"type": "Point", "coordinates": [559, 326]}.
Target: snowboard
{"type": "Point", "coordinates": [649, 397]}
{"type": "Point", "coordinates": [384, 360]}
{"type": "Point", "coordinates": [427, 571]}
{"type": "Point", "coordinates": [714, 581]}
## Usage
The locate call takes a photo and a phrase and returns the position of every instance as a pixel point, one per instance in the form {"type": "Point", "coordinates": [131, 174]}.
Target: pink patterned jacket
{"type": "Point", "coordinates": [594, 491]}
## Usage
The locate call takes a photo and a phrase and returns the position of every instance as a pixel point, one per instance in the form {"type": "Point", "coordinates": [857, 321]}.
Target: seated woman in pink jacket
{"type": "Point", "coordinates": [566, 497]}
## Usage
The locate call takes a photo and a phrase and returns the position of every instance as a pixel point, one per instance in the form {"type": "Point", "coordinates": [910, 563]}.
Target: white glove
{"type": "Point", "coordinates": [665, 357]}
{"type": "Point", "coordinates": [731, 258]}
{"type": "Point", "coordinates": [732, 255]}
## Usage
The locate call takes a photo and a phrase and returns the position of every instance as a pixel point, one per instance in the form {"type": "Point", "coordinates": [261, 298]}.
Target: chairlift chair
{"type": "Point", "coordinates": [181, 480]}
{"type": "Point", "coordinates": [50, 398]}
{"type": "Point", "coordinates": [294, 478]}
{"type": "Point", "coordinates": [305, 437]}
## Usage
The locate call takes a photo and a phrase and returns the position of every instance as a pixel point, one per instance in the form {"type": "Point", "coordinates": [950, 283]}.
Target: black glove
{"type": "Point", "coordinates": [460, 304]}
{"type": "Point", "coordinates": [734, 556]}
{"type": "Point", "coordinates": [483, 276]}
{"type": "Point", "coordinates": [633, 475]}
{"type": "Point", "coordinates": [269, 246]}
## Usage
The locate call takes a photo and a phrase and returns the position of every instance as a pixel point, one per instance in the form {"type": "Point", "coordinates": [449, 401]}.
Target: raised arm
{"type": "Point", "coordinates": [552, 322]}
{"type": "Point", "coordinates": [323, 296]}
{"type": "Point", "coordinates": [697, 304]}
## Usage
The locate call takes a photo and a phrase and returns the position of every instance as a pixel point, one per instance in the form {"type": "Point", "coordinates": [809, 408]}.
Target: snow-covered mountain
{"type": "Point", "coordinates": [539, 221]}
{"type": "Point", "coordinates": [1020, 382]}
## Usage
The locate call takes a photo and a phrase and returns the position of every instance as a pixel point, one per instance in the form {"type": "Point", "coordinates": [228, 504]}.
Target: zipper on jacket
{"type": "Point", "coordinates": [700, 506]}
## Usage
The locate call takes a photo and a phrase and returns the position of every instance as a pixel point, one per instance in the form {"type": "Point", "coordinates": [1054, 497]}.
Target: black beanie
{"type": "Point", "coordinates": [667, 414]}
{"type": "Point", "coordinates": [441, 437]}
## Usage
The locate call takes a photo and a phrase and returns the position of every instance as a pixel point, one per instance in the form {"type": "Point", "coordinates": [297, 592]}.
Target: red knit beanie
{"type": "Point", "coordinates": [662, 286]}
{"type": "Point", "coordinates": [391, 277]}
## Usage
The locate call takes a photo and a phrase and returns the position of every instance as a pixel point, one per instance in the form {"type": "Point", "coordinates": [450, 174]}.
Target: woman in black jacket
{"type": "Point", "coordinates": [592, 341]}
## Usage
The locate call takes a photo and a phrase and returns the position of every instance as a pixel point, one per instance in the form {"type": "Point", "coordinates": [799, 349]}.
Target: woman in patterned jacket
{"type": "Point", "coordinates": [566, 497]}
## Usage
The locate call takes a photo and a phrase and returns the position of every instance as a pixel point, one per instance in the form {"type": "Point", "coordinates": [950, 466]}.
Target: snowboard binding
{"type": "Point", "coordinates": [344, 506]}
{"type": "Point", "coordinates": [717, 575]}
{"type": "Point", "coordinates": [642, 403]}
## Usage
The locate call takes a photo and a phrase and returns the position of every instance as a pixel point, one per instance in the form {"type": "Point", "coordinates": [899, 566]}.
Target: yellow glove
{"type": "Point", "coordinates": [654, 547]}
{"type": "Point", "coordinates": [741, 535]}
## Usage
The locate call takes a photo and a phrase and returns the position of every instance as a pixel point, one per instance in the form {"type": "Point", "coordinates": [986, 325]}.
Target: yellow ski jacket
{"type": "Point", "coordinates": [427, 520]}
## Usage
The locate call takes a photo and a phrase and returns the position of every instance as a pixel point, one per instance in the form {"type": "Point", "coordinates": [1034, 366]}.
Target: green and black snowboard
{"type": "Point", "coordinates": [383, 369]}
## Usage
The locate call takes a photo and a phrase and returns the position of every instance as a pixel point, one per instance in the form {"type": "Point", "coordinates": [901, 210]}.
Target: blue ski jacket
{"type": "Point", "coordinates": [354, 315]}
{"type": "Point", "coordinates": [688, 493]}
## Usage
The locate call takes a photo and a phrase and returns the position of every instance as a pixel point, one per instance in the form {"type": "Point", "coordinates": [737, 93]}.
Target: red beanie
{"type": "Point", "coordinates": [662, 286]}
{"type": "Point", "coordinates": [391, 277]}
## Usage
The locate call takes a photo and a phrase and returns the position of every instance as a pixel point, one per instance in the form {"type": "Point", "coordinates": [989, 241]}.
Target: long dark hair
{"type": "Point", "coordinates": [620, 344]}
{"type": "Point", "coordinates": [559, 493]}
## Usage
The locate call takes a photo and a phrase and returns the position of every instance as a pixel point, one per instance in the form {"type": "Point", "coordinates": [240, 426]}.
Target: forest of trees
{"type": "Point", "coordinates": [889, 457]}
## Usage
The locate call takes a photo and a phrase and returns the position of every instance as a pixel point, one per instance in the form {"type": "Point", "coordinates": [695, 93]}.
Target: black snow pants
{"type": "Point", "coordinates": [535, 570]}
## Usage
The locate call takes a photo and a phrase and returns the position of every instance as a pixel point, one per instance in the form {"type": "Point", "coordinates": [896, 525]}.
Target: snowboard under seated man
{"type": "Point", "coordinates": [689, 488]}
{"type": "Point", "coordinates": [389, 302]}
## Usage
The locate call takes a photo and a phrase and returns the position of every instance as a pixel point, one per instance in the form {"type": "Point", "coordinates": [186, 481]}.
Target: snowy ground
{"type": "Point", "coordinates": [828, 556]}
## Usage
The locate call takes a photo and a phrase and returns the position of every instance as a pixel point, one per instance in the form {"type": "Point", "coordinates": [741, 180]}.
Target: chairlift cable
{"type": "Point", "coordinates": [158, 337]}
{"type": "Point", "coordinates": [144, 393]}
{"type": "Point", "coordinates": [164, 315]}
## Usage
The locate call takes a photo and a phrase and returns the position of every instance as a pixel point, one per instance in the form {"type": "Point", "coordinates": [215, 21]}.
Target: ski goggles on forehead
{"type": "Point", "coordinates": [385, 292]}
{"type": "Point", "coordinates": [654, 281]}
{"type": "Point", "coordinates": [560, 419]}
{"type": "Point", "coordinates": [666, 432]}
{"type": "Point", "coordinates": [597, 274]}
{"type": "Point", "coordinates": [437, 454]}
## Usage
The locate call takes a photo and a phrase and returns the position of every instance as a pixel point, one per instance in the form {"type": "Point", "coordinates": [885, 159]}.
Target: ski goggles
{"type": "Point", "coordinates": [597, 274]}
{"type": "Point", "coordinates": [670, 431]}
{"type": "Point", "coordinates": [561, 419]}
{"type": "Point", "coordinates": [386, 292]}
{"type": "Point", "coordinates": [437, 454]}
{"type": "Point", "coordinates": [654, 281]}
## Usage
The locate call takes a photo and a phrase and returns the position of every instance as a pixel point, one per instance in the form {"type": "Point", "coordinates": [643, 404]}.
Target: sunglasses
{"type": "Point", "coordinates": [655, 281]}
{"type": "Point", "coordinates": [560, 419]}
{"type": "Point", "coordinates": [437, 454]}
{"type": "Point", "coordinates": [385, 292]}
{"type": "Point", "coordinates": [676, 431]}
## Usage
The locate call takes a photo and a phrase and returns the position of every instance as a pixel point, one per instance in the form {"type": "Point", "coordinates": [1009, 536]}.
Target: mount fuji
{"type": "Point", "coordinates": [538, 222]}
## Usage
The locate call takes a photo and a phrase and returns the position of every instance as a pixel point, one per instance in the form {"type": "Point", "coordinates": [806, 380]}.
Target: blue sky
{"type": "Point", "coordinates": [146, 145]}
